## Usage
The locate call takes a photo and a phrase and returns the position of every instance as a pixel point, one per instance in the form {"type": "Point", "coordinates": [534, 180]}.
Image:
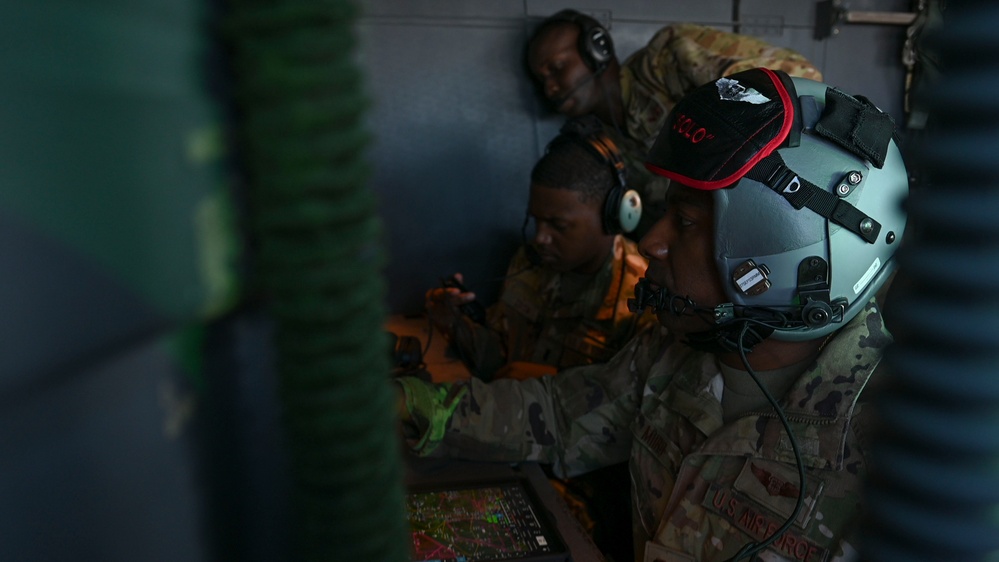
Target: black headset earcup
{"type": "Point", "coordinates": [595, 46]}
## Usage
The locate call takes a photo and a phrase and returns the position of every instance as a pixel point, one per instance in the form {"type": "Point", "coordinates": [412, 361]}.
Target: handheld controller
{"type": "Point", "coordinates": [474, 309]}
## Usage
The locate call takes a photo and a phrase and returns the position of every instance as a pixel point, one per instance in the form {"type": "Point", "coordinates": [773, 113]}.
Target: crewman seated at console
{"type": "Point", "coordinates": [564, 297]}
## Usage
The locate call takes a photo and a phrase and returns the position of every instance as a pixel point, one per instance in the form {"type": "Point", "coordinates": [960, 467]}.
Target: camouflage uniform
{"type": "Point", "coordinates": [682, 57]}
{"type": "Point", "coordinates": [540, 319]}
{"type": "Point", "coordinates": [675, 61]}
{"type": "Point", "coordinates": [701, 488]}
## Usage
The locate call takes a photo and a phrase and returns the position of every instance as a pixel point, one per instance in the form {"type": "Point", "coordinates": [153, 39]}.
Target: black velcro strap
{"type": "Point", "coordinates": [801, 193]}
{"type": "Point", "coordinates": [857, 125]}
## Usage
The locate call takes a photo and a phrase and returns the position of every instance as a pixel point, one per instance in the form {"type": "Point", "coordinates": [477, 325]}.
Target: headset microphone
{"type": "Point", "coordinates": [729, 332]}
{"type": "Point", "coordinates": [646, 297]}
{"type": "Point", "coordinates": [660, 299]}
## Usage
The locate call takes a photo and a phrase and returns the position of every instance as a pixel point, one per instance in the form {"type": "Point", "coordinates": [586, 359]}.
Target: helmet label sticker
{"type": "Point", "coordinates": [732, 90]}
{"type": "Point", "coordinates": [866, 278]}
{"type": "Point", "coordinates": [751, 279]}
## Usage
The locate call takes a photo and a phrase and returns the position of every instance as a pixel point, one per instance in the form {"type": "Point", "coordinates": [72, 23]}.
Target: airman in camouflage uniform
{"type": "Point", "coordinates": [633, 98]}
{"type": "Point", "coordinates": [700, 485]}
{"type": "Point", "coordinates": [567, 304]}
{"type": "Point", "coordinates": [562, 319]}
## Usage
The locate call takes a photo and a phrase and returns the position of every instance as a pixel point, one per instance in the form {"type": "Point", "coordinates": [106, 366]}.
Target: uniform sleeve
{"type": "Point", "coordinates": [578, 420]}
{"type": "Point", "coordinates": [481, 347]}
{"type": "Point", "coordinates": [696, 55]}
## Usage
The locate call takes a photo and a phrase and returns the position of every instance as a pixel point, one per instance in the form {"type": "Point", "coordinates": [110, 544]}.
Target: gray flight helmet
{"type": "Point", "coordinates": [818, 264]}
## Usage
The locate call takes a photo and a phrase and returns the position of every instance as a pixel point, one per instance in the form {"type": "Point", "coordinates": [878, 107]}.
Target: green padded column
{"type": "Point", "coordinates": [320, 255]}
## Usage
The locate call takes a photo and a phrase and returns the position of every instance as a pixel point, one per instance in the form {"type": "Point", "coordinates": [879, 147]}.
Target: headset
{"type": "Point", "coordinates": [595, 45]}
{"type": "Point", "coordinates": [622, 208]}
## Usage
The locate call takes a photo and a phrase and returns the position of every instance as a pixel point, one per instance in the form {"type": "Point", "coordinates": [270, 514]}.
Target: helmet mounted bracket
{"type": "Point", "coordinates": [813, 294]}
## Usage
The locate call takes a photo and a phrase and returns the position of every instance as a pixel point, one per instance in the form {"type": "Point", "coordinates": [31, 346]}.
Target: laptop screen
{"type": "Point", "coordinates": [486, 521]}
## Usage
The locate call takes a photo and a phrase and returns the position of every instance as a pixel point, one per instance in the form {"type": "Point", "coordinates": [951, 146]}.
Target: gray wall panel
{"type": "Point", "coordinates": [454, 122]}
{"type": "Point", "coordinates": [442, 8]}
{"type": "Point", "coordinates": [861, 58]}
{"type": "Point", "coordinates": [641, 10]}
{"type": "Point", "coordinates": [799, 39]}
{"type": "Point", "coordinates": [802, 13]}
{"type": "Point", "coordinates": [868, 60]}
{"type": "Point", "coordinates": [794, 12]}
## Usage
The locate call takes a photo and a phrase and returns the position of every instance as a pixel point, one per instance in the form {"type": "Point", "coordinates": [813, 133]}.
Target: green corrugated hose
{"type": "Point", "coordinates": [300, 104]}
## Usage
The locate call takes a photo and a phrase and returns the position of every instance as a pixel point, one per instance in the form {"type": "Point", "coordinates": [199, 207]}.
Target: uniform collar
{"type": "Point", "coordinates": [818, 406]}
{"type": "Point", "coordinates": [828, 391]}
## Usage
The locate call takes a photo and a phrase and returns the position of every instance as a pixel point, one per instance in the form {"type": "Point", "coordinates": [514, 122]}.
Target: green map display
{"type": "Point", "coordinates": [473, 524]}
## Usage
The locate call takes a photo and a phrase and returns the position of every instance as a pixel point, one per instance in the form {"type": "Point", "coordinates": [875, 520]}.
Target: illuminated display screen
{"type": "Point", "coordinates": [491, 522]}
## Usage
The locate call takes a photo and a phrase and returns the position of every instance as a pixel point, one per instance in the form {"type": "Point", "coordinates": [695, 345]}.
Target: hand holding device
{"type": "Point", "coordinates": [446, 304]}
{"type": "Point", "coordinates": [471, 308]}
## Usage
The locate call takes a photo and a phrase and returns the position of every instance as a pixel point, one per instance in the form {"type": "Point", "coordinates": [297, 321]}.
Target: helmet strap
{"type": "Point", "coordinates": [800, 193]}
{"type": "Point", "coordinates": [752, 325]}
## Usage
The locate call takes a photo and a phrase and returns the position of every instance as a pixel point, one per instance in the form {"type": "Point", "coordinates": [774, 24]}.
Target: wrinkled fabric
{"type": "Point", "coordinates": [682, 57]}
{"type": "Point", "coordinates": [538, 319]}
{"type": "Point", "coordinates": [701, 489]}
{"type": "Point", "coordinates": [676, 60]}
